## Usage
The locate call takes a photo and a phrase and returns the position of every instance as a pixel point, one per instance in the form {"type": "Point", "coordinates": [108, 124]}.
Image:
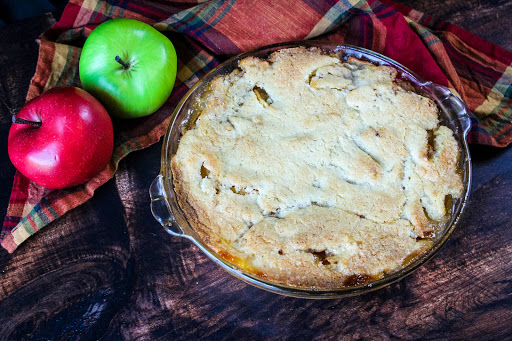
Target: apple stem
{"type": "Point", "coordinates": [23, 121]}
{"type": "Point", "coordinates": [120, 61]}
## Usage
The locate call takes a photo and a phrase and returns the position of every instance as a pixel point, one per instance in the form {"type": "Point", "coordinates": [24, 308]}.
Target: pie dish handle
{"type": "Point", "coordinates": [161, 209]}
{"type": "Point", "coordinates": [451, 104]}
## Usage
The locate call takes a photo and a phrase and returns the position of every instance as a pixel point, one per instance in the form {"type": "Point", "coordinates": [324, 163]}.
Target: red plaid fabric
{"type": "Point", "coordinates": [204, 33]}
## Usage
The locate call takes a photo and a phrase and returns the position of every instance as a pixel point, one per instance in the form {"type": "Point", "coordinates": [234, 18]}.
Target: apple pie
{"type": "Point", "coordinates": [314, 170]}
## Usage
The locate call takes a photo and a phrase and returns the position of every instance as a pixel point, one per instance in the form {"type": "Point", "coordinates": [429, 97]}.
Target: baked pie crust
{"type": "Point", "coordinates": [316, 171]}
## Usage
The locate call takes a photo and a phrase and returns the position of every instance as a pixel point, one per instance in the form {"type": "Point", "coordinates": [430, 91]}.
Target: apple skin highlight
{"type": "Point", "coordinates": [73, 143]}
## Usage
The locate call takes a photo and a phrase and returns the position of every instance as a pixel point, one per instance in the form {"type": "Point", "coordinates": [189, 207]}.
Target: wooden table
{"type": "Point", "coordinates": [119, 275]}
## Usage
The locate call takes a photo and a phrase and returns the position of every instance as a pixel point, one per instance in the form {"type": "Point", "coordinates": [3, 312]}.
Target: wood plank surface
{"type": "Point", "coordinates": [120, 276]}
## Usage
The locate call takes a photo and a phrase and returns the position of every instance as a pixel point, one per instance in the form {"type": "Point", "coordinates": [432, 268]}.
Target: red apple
{"type": "Point", "coordinates": [62, 138]}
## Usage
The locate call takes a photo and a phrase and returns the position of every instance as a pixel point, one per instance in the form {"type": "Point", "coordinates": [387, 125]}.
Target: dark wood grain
{"type": "Point", "coordinates": [119, 276]}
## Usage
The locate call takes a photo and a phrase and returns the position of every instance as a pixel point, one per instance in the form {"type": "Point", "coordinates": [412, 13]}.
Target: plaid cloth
{"type": "Point", "coordinates": [206, 32]}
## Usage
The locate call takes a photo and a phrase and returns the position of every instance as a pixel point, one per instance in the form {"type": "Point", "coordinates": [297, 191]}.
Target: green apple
{"type": "Point", "coordinates": [129, 67]}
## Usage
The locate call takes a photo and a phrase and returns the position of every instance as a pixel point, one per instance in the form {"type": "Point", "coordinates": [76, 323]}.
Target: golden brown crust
{"type": "Point", "coordinates": [315, 172]}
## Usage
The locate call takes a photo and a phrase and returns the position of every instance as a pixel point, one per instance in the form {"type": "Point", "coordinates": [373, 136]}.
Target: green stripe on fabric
{"type": "Point", "coordinates": [27, 226]}
{"type": "Point", "coordinates": [195, 22]}
{"type": "Point", "coordinates": [46, 204]}
{"type": "Point", "coordinates": [177, 18]}
{"type": "Point", "coordinates": [38, 221]}
{"type": "Point", "coordinates": [110, 11]}
{"type": "Point", "coordinates": [505, 132]}
{"type": "Point", "coordinates": [211, 9]}
{"type": "Point", "coordinates": [504, 87]}
{"type": "Point", "coordinates": [71, 35]}
{"type": "Point", "coordinates": [117, 155]}
{"type": "Point", "coordinates": [42, 217]}
{"type": "Point", "coordinates": [222, 13]}
{"type": "Point", "coordinates": [135, 141]}
{"type": "Point", "coordinates": [36, 217]}
{"type": "Point", "coordinates": [425, 34]}
{"type": "Point", "coordinates": [340, 11]}
{"type": "Point", "coordinates": [193, 17]}
{"type": "Point", "coordinates": [503, 103]}
{"type": "Point", "coordinates": [65, 69]}
{"type": "Point", "coordinates": [497, 120]}
{"type": "Point", "coordinates": [125, 145]}
{"type": "Point", "coordinates": [97, 9]}
{"type": "Point", "coordinates": [195, 68]}
{"type": "Point", "coordinates": [199, 62]}
{"type": "Point", "coordinates": [335, 16]}
{"type": "Point", "coordinates": [50, 208]}
{"type": "Point", "coordinates": [73, 76]}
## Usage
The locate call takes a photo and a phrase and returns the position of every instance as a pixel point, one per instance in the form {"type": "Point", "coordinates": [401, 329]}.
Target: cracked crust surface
{"type": "Point", "coordinates": [313, 171]}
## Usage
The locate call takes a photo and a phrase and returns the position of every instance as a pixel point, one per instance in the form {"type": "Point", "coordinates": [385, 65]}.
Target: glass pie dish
{"type": "Point", "coordinates": [166, 209]}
